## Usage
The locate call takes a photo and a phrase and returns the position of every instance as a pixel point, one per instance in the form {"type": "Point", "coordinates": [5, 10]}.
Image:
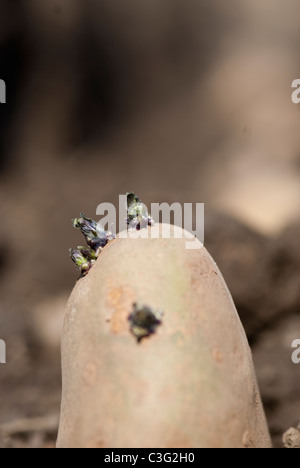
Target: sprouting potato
{"type": "Point", "coordinates": [154, 354]}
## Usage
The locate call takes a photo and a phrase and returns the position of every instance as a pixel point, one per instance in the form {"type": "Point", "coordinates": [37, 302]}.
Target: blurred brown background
{"type": "Point", "coordinates": [178, 101]}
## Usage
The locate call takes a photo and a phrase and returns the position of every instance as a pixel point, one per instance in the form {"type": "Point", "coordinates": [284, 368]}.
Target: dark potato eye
{"type": "Point", "coordinates": [143, 322]}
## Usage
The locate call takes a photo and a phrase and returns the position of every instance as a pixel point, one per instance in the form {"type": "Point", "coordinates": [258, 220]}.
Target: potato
{"type": "Point", "coordinates": [189, 384]}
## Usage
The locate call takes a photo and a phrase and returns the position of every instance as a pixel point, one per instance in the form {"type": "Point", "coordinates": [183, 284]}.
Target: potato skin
{"type": "Point", "coordinates": [191, 384]}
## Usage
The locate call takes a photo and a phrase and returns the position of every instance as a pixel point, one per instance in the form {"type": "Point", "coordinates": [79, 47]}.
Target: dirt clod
{"type": "Point", "coordinates": [291, 438]}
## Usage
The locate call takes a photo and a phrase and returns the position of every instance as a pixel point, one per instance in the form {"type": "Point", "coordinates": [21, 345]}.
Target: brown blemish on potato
{"type": "Point", "coordinates": [141, 392]}
{"type": "Point", "coordinates": [90, 374]}
{"type": "Point", "coordinates": [100, 443]}
{"type": "Point", "coordinates": [178, 439]}
{"type": "Point", "coordinates": [247, 440]}
{"type": "Point", "coordinates": [218, 356]}
{"type": "Point", "coordinates": [178, 339]}
{"type": "Point", "coordinates": [256, 396]}
{"type": "Point", "coordinates": [120, 299]}
{"type": "Point", "coordinates": [196, 285]}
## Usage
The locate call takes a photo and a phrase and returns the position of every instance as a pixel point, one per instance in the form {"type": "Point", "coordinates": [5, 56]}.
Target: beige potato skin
{"type": "Point", "coordinates": [191, 384]}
